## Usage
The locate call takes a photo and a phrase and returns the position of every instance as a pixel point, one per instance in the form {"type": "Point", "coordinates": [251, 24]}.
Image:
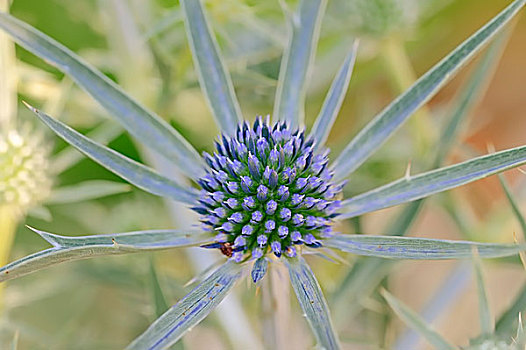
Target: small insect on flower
{"type": "Point", "coordinates": [225, 248]}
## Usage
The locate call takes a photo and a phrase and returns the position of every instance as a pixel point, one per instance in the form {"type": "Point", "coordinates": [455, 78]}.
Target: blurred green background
{"type": "Point", "coordinates": [104, 303]}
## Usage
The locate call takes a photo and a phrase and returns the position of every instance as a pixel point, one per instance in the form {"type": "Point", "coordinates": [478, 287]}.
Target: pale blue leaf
{"type": "Point", "coordinates": [334, 99]}
{"type": "Point", "coordinates": [87, 190]}
{"type": "Point", "coordinates": [259, 269]}
{"type": "Point", "coordinates": [213, 76]}
{"type": "Point", "coordinates": [190, 310]}
{"type": "Point", "coordinates": [83, 247]}
{"type": "Point", "coordinates": [410, 188]}
{"type": "Point", "coordinates": [130, 170]}
{"type": "Point", "coordinates": [312, 302]}
{"type": "Point", "coordinates": [395, 247]}
{"type": "Point", "coordinates": [370, 138]}
{"type": "Point", "coordinates": [296, 62]}
{"type": "Point", "coordinates": [413, 320]}
{"type": "Point", "coordinates": [140, 122]}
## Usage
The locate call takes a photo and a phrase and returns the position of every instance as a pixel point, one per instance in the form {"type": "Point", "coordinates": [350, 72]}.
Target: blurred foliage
{"type": "Point", "coordinates": [101, 304]}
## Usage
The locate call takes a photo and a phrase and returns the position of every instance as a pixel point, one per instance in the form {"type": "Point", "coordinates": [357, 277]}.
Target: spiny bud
{"type": "Point", "coordinates": [24, 170]}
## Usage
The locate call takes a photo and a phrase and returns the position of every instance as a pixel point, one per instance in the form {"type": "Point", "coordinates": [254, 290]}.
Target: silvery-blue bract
{"type": "Point", "coordinates": [270, 193]}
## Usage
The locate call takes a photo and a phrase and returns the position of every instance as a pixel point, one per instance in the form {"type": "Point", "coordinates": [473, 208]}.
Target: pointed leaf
{"type": "Point", "coordinates": [136, 173]}
{"type": "Point", "coordinates": [508, 320]}
{"type": "Point", "coordinates": [212, 73]}
{"type": "Point", "coordinates": [159, 299]}
{"type": "Point", "coordinates": [514, 206]}
{"type": "Point", "coordinates": [83, 247]}
{"type": "Point", "coordinates": [415, 187]}
{"type": "Point", "coordinates": [140, 122]}
{"type": "Point", "coordinates": [486, 320]}
{"type": "Point", "coordinates": [312, 302]}
{"type": "Point", "coordinates": [86, 190]}
{"type": "Point", "coordinates": [296, 62]}
{"type": "Point", "coordinates": [395, 247]}
{"type": "Point", "coordinates": [414, 321]}
{"type": "Point", "coordinates": [393, 116]}
{"type": "Point", "coordinates": [190, 310]}
{"type": "Point", "coordinates": [334, 99]}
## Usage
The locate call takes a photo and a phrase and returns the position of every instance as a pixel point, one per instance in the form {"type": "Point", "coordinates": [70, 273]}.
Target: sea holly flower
{"type": "Point", "coordinates": [284, 185]}
{"type": "Point", "coordinates": [269, 193]}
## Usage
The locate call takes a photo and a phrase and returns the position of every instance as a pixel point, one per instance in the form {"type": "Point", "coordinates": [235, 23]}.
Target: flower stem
{"type": "Point", "coordinates": [276, 308]}
{"type": "Point", "coordinates": [402, 76]}
{"type": "Point", "coordinates": [8, 224]}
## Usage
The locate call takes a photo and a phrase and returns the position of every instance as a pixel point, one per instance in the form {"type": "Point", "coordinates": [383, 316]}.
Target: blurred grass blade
{"type": "Point", "coordinates": [296, 62]}
{"type": "Point", "coordinates": [86, 190]}
{"type": "Point", "coordinates": [164, 23]}
{"type": "Point", "coordinates": [213, 76]}
{"type": "Point", "coordinates": [147, 127]}
{"type": "Point", "coordinates": [393, 116]}
{"type": "Point", "coordinates": [486, 320]}
{"type": "Point", "coordinates": [312, 302]}
{"type": "Point", "coordinates": [414, 321]}
{"type": "Point", "coordinates": [394, 247]}
{"type": "Point", "coordinates": [159, 299]}
{"type": "Point", "coordinates": [514, 206]}
{"type": "Point", "coordinates": [190, 310]}
{"type": "Point", "coordinates": [130, 170]}
{"type": "Point", "coordinates": [40, 212]}
{"type": "Point", "coordinates": [410, 188]}
{"type": "Point", "coordinates": [14, 343]}
{"type": "Point", "coordinates": [470, 93]}
{"type": "Point", "coordinates": [507, 322]}
{"type": "Point", "coordinates": [333, 101]}
{"type": "Point", "coordinates": [83, 247]}
{"type": "Point", "coordinates": [440, 302]}
{"type": "Point", "coordinates": [69, 156]}
{"type": "Point", "coordinates": [8, 77]}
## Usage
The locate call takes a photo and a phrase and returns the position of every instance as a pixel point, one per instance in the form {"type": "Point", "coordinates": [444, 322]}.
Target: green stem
{"type": "Point", "coordinates": [8, 224]}
{"type": "Point", "coordinates": [402, 75]}
{"type": "Point", "coordinates": [8, 97]}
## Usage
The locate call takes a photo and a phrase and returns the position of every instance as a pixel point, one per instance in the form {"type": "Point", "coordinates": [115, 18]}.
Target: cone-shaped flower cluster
{"type": "Point", "coordinates": [267, 191]}
{"type": "Point", "coordinates": [24, 180]}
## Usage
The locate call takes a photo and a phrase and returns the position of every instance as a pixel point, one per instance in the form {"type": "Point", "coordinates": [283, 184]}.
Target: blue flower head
{"type": "Point", "coordinates": [267, 190]}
